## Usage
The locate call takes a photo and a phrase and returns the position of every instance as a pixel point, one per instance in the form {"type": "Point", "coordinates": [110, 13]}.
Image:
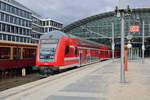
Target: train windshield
{"type": "Point", "coordinates": [48, 49]}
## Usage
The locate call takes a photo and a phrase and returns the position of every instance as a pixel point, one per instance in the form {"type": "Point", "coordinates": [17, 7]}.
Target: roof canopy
{"type": "Point", "coordinates": [99, 27]}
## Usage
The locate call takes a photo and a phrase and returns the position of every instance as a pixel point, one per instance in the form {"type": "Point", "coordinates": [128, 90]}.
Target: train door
{"type": "Point", "coordinates": [81, 57]}
{"type": "Point", "coordinates": [85, 59]}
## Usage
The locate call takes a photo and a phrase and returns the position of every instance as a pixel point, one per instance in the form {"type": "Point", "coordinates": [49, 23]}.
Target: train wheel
{"type": "Point", "coordinates": [46, 73]}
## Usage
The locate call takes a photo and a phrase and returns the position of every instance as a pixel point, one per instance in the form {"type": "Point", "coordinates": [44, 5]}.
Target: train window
{"type": "Point", "coordinates": [67, 50]}
{"type": "Point", "coordinates": [32, 53]}
{"type": "Point", "coordinates": [75, 50]}
{"type": "Point", "coordinates": [4, 53]}
{"type": "Point", "coordinates": [29, 53]}
{"type": "Point", "coordinates": [16, 53]}
{"type": "Point", "coordinates": [25, 53]}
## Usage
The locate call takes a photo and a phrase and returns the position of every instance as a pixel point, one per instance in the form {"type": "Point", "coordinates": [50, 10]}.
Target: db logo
{"type": "Point", "coordinates": [134, 28]}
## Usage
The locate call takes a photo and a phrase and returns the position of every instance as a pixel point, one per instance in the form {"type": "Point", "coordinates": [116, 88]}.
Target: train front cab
{"type": "Point", "coordinates": [57, 51]}
{"type": "Point", "coordinates": [51, 52]}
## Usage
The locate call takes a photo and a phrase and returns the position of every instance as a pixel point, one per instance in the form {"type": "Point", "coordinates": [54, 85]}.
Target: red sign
{"type": "Point", "coordinates": [135, 28]}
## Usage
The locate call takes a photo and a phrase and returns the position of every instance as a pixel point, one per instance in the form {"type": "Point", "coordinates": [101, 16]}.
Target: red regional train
{"type": "Point", "coordinates": [57, 51]}
{"type": "Point", "coordinates": [15, 55]}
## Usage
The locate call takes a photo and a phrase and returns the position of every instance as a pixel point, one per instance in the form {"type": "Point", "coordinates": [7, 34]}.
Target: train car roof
{"type": "Point", "coordinates": [59, 34]}
{"type": "Point", "coordinates": [17, 43]}
{"type": "Point", "coordinates": [56, 34]}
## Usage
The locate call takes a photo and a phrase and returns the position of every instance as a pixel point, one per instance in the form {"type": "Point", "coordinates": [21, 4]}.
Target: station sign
{"type": "Point", "coordinates": [134, 28]}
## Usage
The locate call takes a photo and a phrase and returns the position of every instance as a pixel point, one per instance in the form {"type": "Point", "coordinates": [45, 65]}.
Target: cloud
{"type": "Point", "coordinates": [68, 11]}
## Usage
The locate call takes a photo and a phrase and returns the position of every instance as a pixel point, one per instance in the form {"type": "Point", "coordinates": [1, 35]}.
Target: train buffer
{"type": "Point", "coordinates": [100, 81]}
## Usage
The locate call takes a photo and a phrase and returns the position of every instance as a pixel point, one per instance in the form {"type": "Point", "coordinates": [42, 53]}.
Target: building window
{"type": "Point", "coordinates": [11, 19]}
{"type": "Point", "coordinates": [43, 23]}
{"type": "Point", "coordinates": [2, 16]}
{"type": "Point", "coordinates": [13, 38]}
{"type": "Point", "coordinates": [25, 40]}
{"type": "Point", "coordinates": [0, 36]}
{"type": "Point", "coordinates": [12, 29]}
{"type": "Point", "coordinates": [17, 39]}
{"type": "Point", "coordinates": [26, 23]}
{"type": "Point", "coordinates": [17, 31]}
{"type": "Point", "coordinates": [11, 9]}
{"type": "Point", "coordinates": [25, 14]}
{"type": "Point", "coordinates": [8, 8]}
{"type": "Point", "coordinates": [21, 39]}
{"type": "Point", "coordinates": [17, 21]}
{"type": "Point", "coordinates": [9, 37]}
{"type": "Point", "coordinates": [8, 28]}
{"type": "Point", "coordinates": [3, 27]}
{"type": "Point", "coordinates": [21, 31]}
{"type": "Point", "coordinates": [17, 11]}
{"type": "Point", "coordinates": [3, 6]}
{"type": "Point", "coordinates": [4, 36]}
{"type": "Point", "coordinates": [47, 23]}
{"type": "Point", "coordinates": [28, 32]}
{"type": "Point", "coordinates": [30, 23]}
{"type": "Point", "coordinates": [7, 18]}
{"type": "Point", "coordinates": [0, 27]}
{"type": "Point", "coordinates": [22, 22]}
{"type": "Point", "coordinates": [14, 20]}
{"type": "Point", "coordinates": [50, 29]}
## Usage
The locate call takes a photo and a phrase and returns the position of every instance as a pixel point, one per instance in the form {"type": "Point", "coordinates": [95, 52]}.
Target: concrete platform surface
{"type": "Point", "coordinates": [100, 81]}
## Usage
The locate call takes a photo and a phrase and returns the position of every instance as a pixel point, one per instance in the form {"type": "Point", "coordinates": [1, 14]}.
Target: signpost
{"type": "Point", "coordinates": [113, 42]}
{"type": "Point", "coordinates": [126, 58]}
{"type": "Point", "coordinates": [143, 46]}
{"type": "Point", "coordinates": [122, 12]}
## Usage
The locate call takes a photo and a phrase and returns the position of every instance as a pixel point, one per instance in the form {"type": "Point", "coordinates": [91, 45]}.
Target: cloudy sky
{"type": "Point", "coordinates": [68, 11]}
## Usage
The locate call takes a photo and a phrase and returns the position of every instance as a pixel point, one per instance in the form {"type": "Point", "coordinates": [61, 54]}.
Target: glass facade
{"type": "Point", "coordinates": [15, 23]}
{"type": "Point", "coordinates": [99, 27]}
{"type": "Point", "coordinates": [20, 24]}
{"type": "Point", "coordinates": [14, 10]}
{"type": "Point", "coordinates": [51, 25]}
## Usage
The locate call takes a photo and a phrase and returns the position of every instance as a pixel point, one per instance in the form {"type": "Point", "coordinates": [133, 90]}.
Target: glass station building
{"type": "Point", "coordinates": [99, 28]}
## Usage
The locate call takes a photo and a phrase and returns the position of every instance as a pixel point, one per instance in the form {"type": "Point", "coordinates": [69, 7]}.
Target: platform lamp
{"type": "Point", "coordinates": [122, 13]}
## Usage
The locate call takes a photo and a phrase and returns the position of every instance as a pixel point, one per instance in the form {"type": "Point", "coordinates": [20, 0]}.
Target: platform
{"type": "Point", "coordinates": [100, 81]}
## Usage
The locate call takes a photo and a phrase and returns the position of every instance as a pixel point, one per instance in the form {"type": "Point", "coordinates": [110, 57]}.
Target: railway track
{"type": "Point", "coordinates": [8, 81]}
{"type": "Point", "coordinates": [15, 81]}
{"type": "Point", "coordinates": [34, 86]}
